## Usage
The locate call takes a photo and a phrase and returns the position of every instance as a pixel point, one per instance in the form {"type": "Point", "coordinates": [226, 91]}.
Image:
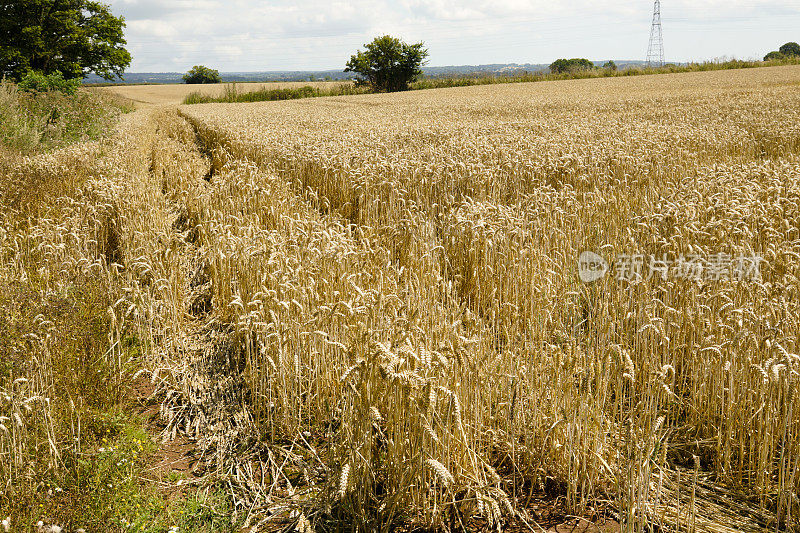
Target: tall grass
{"type": "Point", "coordinates": [34, 122]}
{"type": "Point", "coordinates": [19, 130]}
{"type": "Point", "coordinates": [232, 94]}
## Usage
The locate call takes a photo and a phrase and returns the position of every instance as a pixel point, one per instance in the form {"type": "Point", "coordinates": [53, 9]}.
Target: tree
{"type": "Point", "coordinates": [201, 74]}
{"type": "Point", "coordinates": [73, 37]}
{"type": "Point", "coordinates": [610, 65]}
{"type": "Point", "coordinates": [387, 64]}
{"type": "Point", "coordinates": [790, 49]}
{"type": "Point", "coordinates": [570, 65]}
{"type": "Point", "coordinates": [774, 56]}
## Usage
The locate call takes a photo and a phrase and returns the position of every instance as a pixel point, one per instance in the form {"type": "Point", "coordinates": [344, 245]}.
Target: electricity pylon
{"type": "Point", "coordinates": [655, 50]}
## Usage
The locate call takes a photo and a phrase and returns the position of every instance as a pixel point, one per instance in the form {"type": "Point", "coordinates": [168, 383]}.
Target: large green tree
{"type": "Point", "coordinates": [387, 64]}
{"type": "Point", "coordinates": [202, 74]}
{"type": "Point", "coordinates": [73, 37]}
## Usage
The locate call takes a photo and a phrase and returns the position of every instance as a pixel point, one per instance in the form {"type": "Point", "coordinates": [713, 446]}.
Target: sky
{"type": "Point", "coordinates": [253, 35]}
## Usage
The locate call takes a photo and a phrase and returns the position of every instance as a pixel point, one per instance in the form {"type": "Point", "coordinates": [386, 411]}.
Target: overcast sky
{"type": "Point", "coordinates": [253, 35]}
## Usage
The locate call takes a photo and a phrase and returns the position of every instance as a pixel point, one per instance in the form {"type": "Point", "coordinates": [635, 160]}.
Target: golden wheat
{"type": "Point", "coordinates": [461, 215]}
{"type": "Point", "coordinates": [368, 308]}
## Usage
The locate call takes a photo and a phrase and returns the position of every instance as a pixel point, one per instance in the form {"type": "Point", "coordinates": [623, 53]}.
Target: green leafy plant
{"type": "Point", "coordinates": [38, 82]}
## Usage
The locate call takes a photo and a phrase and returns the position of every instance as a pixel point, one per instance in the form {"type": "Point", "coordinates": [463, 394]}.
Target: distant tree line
{"type": "Point", "coordinates": [577, 64]}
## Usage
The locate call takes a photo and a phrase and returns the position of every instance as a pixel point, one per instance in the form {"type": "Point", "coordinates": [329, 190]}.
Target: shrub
{"type": "Point", "coordinates": [774, 56]}
{"type": "Point", "coordinates": [37, 82]}
{"type": "Point", "coordinates": [202, 74]}
{"type": "Point", "coordinates": [610, 65]}
{"type": "Point", "coordinates": [570, 65]}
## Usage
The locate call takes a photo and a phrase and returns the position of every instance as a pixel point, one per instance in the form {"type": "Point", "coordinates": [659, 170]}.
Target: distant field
{"type": "Point", "coordinates": [169, 94]}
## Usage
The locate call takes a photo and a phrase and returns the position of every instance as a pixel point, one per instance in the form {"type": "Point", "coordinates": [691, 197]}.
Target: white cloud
{"type": "Point", "coordinates": [155, 28]}
{"type": "Point", "coordinates": [446, 9]}
{"type": "Point", "coordinates": [239, 35]}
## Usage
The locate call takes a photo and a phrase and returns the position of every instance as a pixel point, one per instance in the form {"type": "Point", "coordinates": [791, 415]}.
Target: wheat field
{"type": "Point", "coordinates": [367, 311]}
